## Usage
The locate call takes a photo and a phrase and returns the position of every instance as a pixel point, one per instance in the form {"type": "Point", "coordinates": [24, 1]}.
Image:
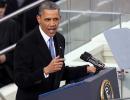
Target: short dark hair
{"type": "Point", "coordinates": [3, 3]}
{"type": "Point", "coordinates": [47, 4]}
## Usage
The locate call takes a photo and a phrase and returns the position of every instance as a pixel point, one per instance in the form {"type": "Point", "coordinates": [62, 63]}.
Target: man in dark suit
{"type": "Point", "coordinates": [36, 70]}
{"type": "Point", "coordinates": [9, 34]}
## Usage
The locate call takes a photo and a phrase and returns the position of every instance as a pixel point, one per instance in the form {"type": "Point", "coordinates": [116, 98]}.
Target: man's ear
{"type": "Point", "coordinates": [38, 18]}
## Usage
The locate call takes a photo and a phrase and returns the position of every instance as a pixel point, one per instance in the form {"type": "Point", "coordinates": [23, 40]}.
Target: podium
{"type": "Point", "coordinates": [88, 88]}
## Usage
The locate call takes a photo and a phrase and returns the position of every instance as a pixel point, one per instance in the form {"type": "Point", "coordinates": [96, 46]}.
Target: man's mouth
{"type": "Point", "coordinates": [52, 30]}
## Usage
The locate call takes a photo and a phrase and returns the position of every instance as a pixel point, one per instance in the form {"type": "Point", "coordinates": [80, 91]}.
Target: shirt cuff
{"type": "Point", "coordinates": [46, 76]}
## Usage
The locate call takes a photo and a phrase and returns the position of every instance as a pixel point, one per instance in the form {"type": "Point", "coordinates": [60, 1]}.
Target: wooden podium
{"type": "Point", "coordinates": [87, 89]}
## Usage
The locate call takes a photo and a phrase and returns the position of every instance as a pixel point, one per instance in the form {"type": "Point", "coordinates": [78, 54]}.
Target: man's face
{"type": "Point", "coordinates": [49, 21]}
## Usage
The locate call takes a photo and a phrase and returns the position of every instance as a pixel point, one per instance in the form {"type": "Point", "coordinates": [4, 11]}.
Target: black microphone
{"type": "Point", "coordinates": [61, 54]}
{"type": "Point", "coordinates": [89, 58]}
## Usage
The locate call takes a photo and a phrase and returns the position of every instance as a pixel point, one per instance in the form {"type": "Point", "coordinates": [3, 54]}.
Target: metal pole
{"type": "Point", "coordinates": [26, 8]}
{"type": "Point", "coordinates": [7, 49]}
{"type": "Point", "coordinates": [17, 12]}
{"type": "Point", "coordinates": [121, 78]}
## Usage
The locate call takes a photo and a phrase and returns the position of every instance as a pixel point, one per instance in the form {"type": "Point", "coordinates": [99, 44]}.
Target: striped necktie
{"type": "Point", "coordinates": [51, 48]}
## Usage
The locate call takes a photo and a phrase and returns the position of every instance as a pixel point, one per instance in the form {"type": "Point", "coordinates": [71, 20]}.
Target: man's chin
{"type": "Point", "coordinates": [52, 34]}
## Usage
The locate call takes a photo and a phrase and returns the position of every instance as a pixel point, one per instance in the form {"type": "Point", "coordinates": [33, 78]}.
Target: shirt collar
{"type": "Point", "coordinates": [45, 37]}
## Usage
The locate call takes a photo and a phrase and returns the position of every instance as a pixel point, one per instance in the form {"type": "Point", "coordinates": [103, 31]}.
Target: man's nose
{"type": "Point", "coordinates": [52, 23]}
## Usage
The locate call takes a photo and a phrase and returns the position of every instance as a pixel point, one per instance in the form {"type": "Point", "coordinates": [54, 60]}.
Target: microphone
{"type": "Point", "coordinates": [61, 54]}
{"type": "Point", "coordinates": [89, 58]}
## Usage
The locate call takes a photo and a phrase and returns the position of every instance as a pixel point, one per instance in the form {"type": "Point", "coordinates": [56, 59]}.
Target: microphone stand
{"type": "Point", "coordinates": [121, 77]}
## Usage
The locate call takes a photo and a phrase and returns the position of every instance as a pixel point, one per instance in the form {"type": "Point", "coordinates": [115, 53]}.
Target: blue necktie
{"type": "Point", "coordinates": [51, 48]}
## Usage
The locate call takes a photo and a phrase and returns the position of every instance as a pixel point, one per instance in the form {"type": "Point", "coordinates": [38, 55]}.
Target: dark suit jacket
{"type": "Point", "coordinates": [31, 55]}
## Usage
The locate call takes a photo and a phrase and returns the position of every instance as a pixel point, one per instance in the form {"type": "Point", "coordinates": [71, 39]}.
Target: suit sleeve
{"type": "Point", "coordinates": [74, 73]}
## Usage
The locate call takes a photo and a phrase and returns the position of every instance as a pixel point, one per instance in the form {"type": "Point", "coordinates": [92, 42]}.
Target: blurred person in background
{"type": "Point", "coordinates": [9, 34]}
{"type": "Point", "coordinates": [27, 20]}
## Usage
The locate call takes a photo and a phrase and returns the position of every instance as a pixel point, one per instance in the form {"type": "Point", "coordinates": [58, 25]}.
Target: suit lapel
{"type": "Point", "coordinates": [58, 45]}
{"type": "Point", "coordinates": [42, 45]}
